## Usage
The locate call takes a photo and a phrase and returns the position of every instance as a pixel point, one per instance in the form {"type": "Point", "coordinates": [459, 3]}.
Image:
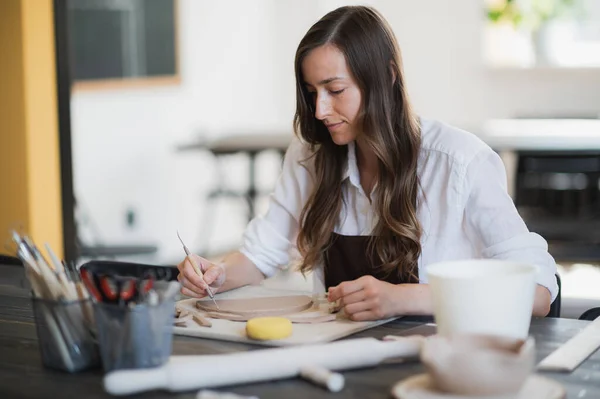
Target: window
{"type": "Point", "coordinates": [116, 42]}
{"type": "Point", "coordinates": [542, 33]}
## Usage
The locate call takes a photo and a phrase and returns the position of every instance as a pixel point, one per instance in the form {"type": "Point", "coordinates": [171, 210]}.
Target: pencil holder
{"type": "Point", "coordinates": [64, 333]}
{"type": "Point", "coordinates": [134, 336]}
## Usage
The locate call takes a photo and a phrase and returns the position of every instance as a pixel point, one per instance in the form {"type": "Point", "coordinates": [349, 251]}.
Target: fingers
{"type": "Point", "coordinates": [359, 298]}
{"type": "Point", "coordinates": [355, 297]}
{"type": "Point", "coordinates": [213, 275]}
{"type": "Point", "coordinates": [364, 316]}
{"type": "Point", "coordinates": [344, 289]}
{"type": "Point", "coordinates": [357, 307]}
{"type": "Point", "coordinates": [189, 273]}
{"type": "Point", "coordinates": [192, 294]}
{"type": "Point", "coordinates": [359, 302]}
{"type": "Point", "coordinates": [197, 263]}
{"type": "Point", "coordinates": [192, 283]}
{"type": "Point", "coordinates": [369, 309]}
{"type": "Point", "coordinates": [189, 289]}
{"type": "Point", "coordinates": [348, 287]}
{"type": "Point", "coordinates": [203, 264]}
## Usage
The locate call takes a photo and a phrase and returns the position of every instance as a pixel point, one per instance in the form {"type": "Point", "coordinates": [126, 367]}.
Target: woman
{"type": "Point", "coordinates": [371, 194]}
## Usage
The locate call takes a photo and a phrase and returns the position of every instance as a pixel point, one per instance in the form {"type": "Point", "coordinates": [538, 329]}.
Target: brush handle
{"type": "Point", "coordinates": [183, 373]}
{"type": "Point", "coordinates": [58, 266]}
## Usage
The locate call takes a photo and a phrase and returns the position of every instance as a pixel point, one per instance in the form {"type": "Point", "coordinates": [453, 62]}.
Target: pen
{"type": "Point", "coordinates": [197, 269]}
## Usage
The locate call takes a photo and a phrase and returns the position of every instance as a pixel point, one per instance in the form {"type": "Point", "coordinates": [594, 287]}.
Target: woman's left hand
{"type": "Point", "coordinates": [366, 298]}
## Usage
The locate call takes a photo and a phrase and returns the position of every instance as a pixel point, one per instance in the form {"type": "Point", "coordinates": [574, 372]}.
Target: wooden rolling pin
{"type": "Point", "coordinates": [183, 373]}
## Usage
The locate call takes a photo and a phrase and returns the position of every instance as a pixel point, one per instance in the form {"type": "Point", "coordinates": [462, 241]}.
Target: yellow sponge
{"type": "Point", "coordinates": [267, 328]}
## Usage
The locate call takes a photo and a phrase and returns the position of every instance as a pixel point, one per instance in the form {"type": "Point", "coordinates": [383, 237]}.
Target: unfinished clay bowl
{"type": "Point", "coordinates": [481, 365]}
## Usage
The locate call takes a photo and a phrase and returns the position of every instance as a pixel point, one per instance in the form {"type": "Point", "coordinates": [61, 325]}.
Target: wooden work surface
{"type": "Point", "coordinates": [22, 375]}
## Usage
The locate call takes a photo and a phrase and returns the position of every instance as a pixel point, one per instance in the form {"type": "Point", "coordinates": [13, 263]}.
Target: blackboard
{"type": "Point", "coordinates": [122, 39]}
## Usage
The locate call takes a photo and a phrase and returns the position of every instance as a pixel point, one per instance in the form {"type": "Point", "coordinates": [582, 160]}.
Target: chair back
{"type": "Point", "coordinates": [555, 306]}
{"type": "Point", "coordinates": [590, 314]}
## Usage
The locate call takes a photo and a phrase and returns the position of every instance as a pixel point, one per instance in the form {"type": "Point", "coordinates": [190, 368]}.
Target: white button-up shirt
{"type": "Point", "coordinates": [464, 208]}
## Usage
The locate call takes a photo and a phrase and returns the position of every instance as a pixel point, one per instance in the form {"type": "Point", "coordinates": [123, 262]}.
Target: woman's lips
{"type": "Point", "coordinates": [334, 126]}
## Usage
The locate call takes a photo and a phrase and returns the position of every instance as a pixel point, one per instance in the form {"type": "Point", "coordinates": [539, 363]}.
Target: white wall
{"type": "Point", "coordinates": [440, 43]}
{"type": "Point", "coordinates": [237, 75]}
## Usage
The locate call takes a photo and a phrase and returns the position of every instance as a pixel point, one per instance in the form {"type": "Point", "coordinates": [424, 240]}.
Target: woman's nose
{"type": "Point", "coordinates": [322, 107]}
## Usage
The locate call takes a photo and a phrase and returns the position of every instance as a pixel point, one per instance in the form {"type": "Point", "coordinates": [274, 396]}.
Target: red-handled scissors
{"type": "Point", "coordinates": [116, 289]}
{"type": "Point", "coordinates": [88, 281]}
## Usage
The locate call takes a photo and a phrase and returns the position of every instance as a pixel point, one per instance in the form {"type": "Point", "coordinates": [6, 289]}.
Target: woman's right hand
{"type": "Point", "coordinates": [192, 284]}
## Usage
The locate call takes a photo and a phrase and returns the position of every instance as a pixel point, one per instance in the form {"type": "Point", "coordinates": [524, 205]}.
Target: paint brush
{"type": "Point", "coordinates": [60, 272]}
{"type": "Point", "coordinates": [197, 269]}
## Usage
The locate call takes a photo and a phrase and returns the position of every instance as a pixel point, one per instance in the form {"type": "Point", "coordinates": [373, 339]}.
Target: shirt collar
{"type": "Point", "coordinates": [351, 171]}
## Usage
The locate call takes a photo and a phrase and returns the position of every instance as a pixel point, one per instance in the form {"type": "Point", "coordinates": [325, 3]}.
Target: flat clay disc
{"type": "Point", "coordinates": [298, 318]}
{"type": "Point", "coordinates": [257, 307]}
{"type": "Point", "coordinates": [420, 387]}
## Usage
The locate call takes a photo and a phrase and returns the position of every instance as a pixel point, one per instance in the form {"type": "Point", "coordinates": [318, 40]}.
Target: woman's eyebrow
{"type": "Point", "coordinates": [325, 81]}
{"type": "Point", "coordinates": [329, 80]}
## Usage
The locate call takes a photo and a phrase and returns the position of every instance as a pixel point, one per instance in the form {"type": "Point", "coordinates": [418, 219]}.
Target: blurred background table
{"type": "Point", "coordinates": [553, 168]}
{"type": "Point", "coordinates": [251, 145]}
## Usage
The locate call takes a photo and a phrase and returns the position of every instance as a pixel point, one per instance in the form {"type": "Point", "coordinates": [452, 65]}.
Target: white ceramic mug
{"type": "Point", "coordinates": [483, 296]}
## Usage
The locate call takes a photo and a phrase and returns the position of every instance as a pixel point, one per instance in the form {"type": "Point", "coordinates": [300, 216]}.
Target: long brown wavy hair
{"type": "Point", "coordinates": [389, 128]}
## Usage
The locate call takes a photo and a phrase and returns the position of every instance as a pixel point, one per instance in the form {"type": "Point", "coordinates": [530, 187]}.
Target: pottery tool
{"type": "Point", "coordinates": [59, 271]}
{"type": "Point", "coordinates": [44, 282]}
{"type": "Point", "coordinates": [570, 355]}
{"type": "Point", "coordinates": [197, 269]}
{"type": "Point", "coordinates": [56, 263]}
{"type": "Point", "coordinates": [333, 382]}
{"type": "Point", "coordinates": [57, 327]}
{"type": "Point", "coordinates": [59, 286]}
{"type": "Point", "coordinates": [181, 372]}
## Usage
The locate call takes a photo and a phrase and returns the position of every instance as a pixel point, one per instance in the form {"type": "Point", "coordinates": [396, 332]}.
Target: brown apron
{"type": "Point", "coordinates": [348, 258]}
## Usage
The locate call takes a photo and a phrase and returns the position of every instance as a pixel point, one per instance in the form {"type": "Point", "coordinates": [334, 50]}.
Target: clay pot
{"type": "Point", "coordinates": [478, 364]}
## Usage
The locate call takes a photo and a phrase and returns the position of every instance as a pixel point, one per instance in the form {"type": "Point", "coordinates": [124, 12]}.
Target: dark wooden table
{"type": "Point", "coordinates": [22, 375]}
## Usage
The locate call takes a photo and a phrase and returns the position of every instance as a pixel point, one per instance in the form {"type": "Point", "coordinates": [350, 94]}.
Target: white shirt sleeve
{"type": "Point", "coordinates": [491, 220]}
{"type": "Point", "coordinates": [268, 239]}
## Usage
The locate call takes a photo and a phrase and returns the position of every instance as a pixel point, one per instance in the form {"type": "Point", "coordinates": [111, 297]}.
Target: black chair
{"type": "Point", "coordinates": [590, 314]}
{"type": "Point", "coordinates": [555, 306]}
